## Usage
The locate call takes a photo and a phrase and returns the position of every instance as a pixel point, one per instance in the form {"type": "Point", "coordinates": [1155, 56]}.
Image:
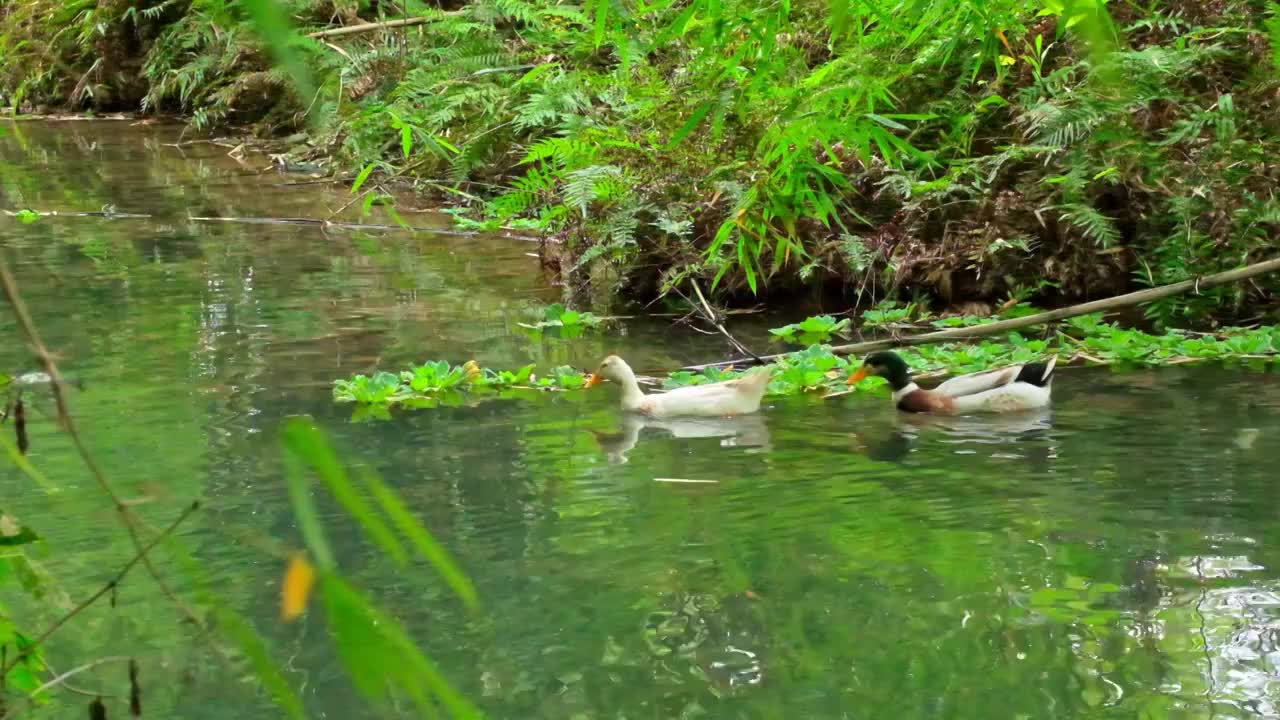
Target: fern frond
{"type": "Point", "coordinates": [1091, 223]}
{"type": "Point", "coordinates": [586, 185]}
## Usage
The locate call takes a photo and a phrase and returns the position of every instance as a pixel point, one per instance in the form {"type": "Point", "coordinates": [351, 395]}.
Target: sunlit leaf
{"type": "Point", "coordinates": [304, 441]}
{"type": "Point", "coordinates": [601, 21]}
{"type": "Point", "coordinates": [25, 465]}
{"type": "Point", "coordinates": [695, 118]}
{"type": "Point", "coordinates": [304, 508]}
{"type": "Point", "coordinates": [380, 655]}
{"type": "Point", "coordinates": [419, 536]}
{"type": "Point", "coordinates": [361, 178]}
{"type": "Point", "coordinates": [240, 632]}
{"type": "Point", "coordinates": [295, 589]}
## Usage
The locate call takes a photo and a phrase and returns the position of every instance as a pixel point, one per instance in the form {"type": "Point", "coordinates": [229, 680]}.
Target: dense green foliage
{"type": "Point", "coordinates": [961, 148]}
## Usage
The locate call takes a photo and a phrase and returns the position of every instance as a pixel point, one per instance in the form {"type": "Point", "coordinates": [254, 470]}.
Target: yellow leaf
{"type": "Point", "coordinates": [299, 578]}
{"type": "Point", "coordinates": [472, 370]}
{"type": "Point", "coordinates": [1006, 60]}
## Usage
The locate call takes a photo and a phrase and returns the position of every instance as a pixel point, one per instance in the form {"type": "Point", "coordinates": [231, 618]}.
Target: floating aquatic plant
{"type": "Point", "coordinates": [438, 382]}
{"type": "Point", "coordinates": [818, 329]}
{"type": "Point", "coordinates": [888, 313]}
{"type": "Point", "coordinates": [571, 323]}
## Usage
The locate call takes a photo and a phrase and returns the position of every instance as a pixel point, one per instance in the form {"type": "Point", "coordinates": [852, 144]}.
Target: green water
{"type": "Point", "coordinates": [1119, 558]}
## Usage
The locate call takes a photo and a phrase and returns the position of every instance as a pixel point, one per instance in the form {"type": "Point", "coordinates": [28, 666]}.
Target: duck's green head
{"type": "Point", "coordinates": [888, 365]}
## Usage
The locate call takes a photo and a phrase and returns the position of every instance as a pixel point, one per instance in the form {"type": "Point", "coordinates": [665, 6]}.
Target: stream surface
{"type": "Point", "coordinates": [1117, 558]}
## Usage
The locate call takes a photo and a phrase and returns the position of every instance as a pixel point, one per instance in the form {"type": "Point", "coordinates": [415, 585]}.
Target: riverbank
{"type": "Point", "coordinates": [946, 153]}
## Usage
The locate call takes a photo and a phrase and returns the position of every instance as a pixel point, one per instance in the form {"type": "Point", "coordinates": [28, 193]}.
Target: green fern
{"type": "Point", "coordinates": [1092, 224]}
{"type": "Point", "coordinates": [587, 185]}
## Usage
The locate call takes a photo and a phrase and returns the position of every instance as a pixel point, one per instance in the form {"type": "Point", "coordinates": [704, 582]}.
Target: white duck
{"type": "Point", "coordinates": [722, 399]}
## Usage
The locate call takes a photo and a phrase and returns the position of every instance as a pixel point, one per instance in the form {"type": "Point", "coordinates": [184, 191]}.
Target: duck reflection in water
{"type": "Point", "coordinates": [994, 431]}
{"type": "Point", "coordinates": [748, 431]}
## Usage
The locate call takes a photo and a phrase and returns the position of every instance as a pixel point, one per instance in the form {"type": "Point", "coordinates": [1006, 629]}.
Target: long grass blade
{"type": "Point", "coordinates": [420, 537]}
{"type": "Point", "coordinates": [306, 443]}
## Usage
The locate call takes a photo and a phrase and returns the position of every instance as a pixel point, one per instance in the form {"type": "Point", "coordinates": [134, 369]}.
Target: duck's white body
{"type": "Point", "coordinates": [722, 399]}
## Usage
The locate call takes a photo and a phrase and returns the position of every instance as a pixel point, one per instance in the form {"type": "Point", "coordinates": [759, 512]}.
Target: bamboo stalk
{"type": "Point", "coordinates": [367, 27]}
{"type": "Point", "coordinates": [1003, 326]}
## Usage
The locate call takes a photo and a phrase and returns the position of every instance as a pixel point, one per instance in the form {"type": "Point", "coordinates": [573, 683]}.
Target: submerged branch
{"type": "Point", "coordinates": [353, 226]}
{"type": "Point", "coordinates": [1004, 326]}
{"type": "Point", "coordinates": [314, 222]}
{"type": "Point", "coordinates": [108, 214]}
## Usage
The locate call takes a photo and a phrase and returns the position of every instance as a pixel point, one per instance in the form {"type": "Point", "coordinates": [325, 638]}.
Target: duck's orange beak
{"type": "Point", "coordinates": [593, 380]}
{"type": "Point", "coordinates": [854, 378]}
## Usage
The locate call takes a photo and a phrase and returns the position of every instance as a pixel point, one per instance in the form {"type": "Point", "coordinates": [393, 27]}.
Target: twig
{"type": "Point", "coordinates": [1003, 326]}
{"type": "Point", "coordinates": [711, 318]}
{"type": "Point", "coordinates": [76, 671]}
{"type": "Point", "coordinates": [111, 584]}
{"type": "Point", "coordinates": [68, 687]}
{"type": "Point", "coordinates": [58, 385]}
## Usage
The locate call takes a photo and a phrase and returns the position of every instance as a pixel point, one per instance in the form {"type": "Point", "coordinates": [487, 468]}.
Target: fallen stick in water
{"type": "Point", "coordinates": [109, 214]}
{"type": "Point", "coordinates": [1004, 326]}
{"type": "Point", "coordinates": [357, 226]}
{"type": "Point", "coordinates": [113, 215]}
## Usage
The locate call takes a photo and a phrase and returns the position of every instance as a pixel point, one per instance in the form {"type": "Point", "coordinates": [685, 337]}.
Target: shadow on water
{"type": "Point", "coordinates": [1117, 557]}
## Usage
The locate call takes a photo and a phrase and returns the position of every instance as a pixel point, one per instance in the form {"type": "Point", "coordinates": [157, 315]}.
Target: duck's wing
{"type": "Point", "coordinates": [753, 384]}
{"type": "Point", "coordinates": [1039, 374]}
{"type": "Point", "coordinates": [732, 397]}
{"type": "Point", "coordinates": [1013, 397]}
{"type": "Point", "coordinates": [975, 383]}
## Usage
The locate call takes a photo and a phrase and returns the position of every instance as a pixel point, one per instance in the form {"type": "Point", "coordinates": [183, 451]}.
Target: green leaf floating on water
{"type": "Point", "coordinates": [820, 328]}
{"type": "Point", "coordinates": [570, 322]}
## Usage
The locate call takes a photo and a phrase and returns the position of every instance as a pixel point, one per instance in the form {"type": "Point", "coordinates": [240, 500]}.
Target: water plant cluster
{"type": "Point", "coordinates": [819, 328]}
{"type": "Point", "coordinates": [569, 323]}
{"type": "Point", "coordinates": [889, 315]}
{"type": "Point", "coordinates": [966, 148]}
{"type": "Point", "coordinates": [438, 382]}
{"type": "Point", "coordinates": [820, 369]}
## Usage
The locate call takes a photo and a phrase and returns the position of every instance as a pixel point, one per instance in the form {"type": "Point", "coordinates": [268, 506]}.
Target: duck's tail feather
{"type": "Point", "coordinates": [754, 383]}
{"type": "Point", "coordinates": [1038, 374]}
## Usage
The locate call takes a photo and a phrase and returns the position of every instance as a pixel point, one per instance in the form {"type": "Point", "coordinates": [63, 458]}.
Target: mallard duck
{"type": "Point", "coordinates": [722, 399]}
{"type": "Point", "coordinates": [1017, 387]}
